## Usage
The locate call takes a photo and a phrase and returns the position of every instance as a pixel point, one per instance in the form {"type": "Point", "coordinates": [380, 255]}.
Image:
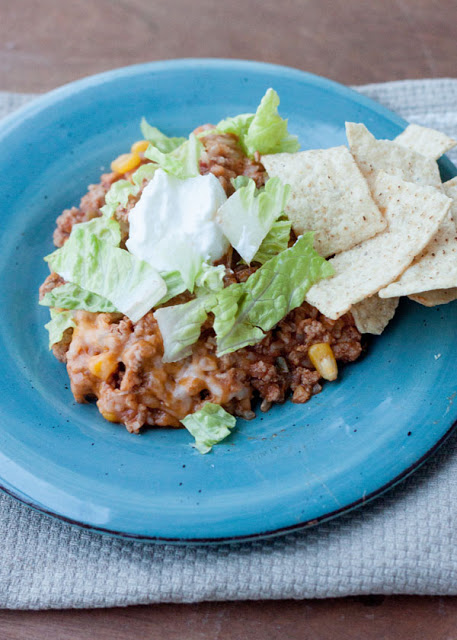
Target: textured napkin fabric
{"type": "Point", "coordinates": [403, 542]}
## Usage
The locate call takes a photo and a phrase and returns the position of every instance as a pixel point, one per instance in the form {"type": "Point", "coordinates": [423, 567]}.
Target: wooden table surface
{"type": "Point", "coordinates": [47, 43]}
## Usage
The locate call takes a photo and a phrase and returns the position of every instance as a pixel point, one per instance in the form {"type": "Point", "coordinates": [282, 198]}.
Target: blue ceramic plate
{"type": "Point", "coordinates": [295, 465]}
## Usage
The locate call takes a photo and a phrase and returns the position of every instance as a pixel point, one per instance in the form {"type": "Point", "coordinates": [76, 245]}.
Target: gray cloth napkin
{"type": "Point", "coordinates": [401, 543]}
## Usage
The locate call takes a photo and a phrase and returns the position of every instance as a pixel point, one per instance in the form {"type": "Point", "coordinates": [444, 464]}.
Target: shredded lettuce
{"type": "Point", "coordinates": [175, 285]}
{"type": "Point", "coordinates": [71, 296]}
{"type": "Point", "coordinates": [120, 191]}
{"type": "Point", "coordinates": [247, 216]}
{"type": "Point", "coordinates": [209, 425]}
{"type": "Point", "coordinates": [182, 162]}
{"type": "Point", "coordinates": [276, 240]}
{"type": "Point", "coordinates": [239, 125]}
{"type": "Point", "coordinates": [91, 262]}
{"type": "Point", "coordinates": [159, 139]}
{"type": "Point", "coordinates": [179, 255]}
{"type": "Point", "coordinates": [265, 131]}
{"type": "Point", "coordinates": [240, 181]}
{"type": "Point", "coordinates": [105, 229]}
{"type": "Point", "coordinates": [118, 195]}
{"type": "Point", "coordinates": [233, 327]}
{"type": "Point", "coordinates": [60, 321]}
{"type": "Point", "coordinates": [145, 172]}
{"type": "Point", "coordinates": [245, 311]}
{"type": "Point", "coordinates": [180, 326]}
{"type": "Point", "coordinates": [268, 132]}
{"type": "Point", "coordinates": [210, 279]}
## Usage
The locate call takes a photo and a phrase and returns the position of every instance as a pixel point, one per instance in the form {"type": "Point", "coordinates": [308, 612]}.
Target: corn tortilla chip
{"type": "Point", "coordinates": [414, 214]}
{"type": "Point", "coordinates": [441, 296]}
{"type": "Point", "coordinates": [374, 155]}
{"type": "Point", "coordinates": [450, 189]}
{"type": "Point", "coordinates": [428, 142]}
{"type": "Point", "coordinates": [436, 266]}
{"type": "Point", "coordinates": [372, 315]}
{"type": "Point", "coordinates": [328, 196]}
{"type": "Point", "coordinates": [433, 298]}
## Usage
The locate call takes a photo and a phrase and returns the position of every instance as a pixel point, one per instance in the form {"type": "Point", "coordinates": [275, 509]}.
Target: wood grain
{"type": "Point", "coordinates": [375, 618]}
{"type": "Point", "coordinates": [47, 43]}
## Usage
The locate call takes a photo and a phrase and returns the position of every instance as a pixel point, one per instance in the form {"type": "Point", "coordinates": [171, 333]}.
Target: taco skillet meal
{"type": "Point", "coordinates": [204, 273]}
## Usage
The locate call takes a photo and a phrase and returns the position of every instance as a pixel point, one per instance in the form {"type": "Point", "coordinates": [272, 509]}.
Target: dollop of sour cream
{"type": "Point", "coordinates": [173, 213]}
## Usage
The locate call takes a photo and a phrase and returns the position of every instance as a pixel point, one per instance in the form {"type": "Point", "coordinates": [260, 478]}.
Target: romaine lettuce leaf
{"type": "Point", "coordinates": [265, 131]}
{"type": "Point", "coordinates": [183, 162]}
{"type": "Point", "coordinates": [209, 425]}
{"type": "Point", "coordinates": [105, 229]}
{"type": "Point", "coordinates": [276, 240]}
{"type": "Point", "coordinates": [145, 172]}
{"type": "Point", "coordinates": [159, 139]}
{"type": "Point", "coordinates": [268, 132]}
{"type": "Point", "coordinates": [240, 181]}
{"type": "Point", "coordinates": [247, 216]}
{"type": "Point", "coordinates": [210, 279]}
{"type": "Point", "coordinates": [180, 326]}
{"type": "Point", "coordinates": [179, 255]}
{"type": "Point", "coordinates": [130, 284]}
{"type": "Point", "coordinates": [239, 125]}
{"type": "Point", "coordinates": [245, 311]}
{"type": "Point", "coordinates": [175, 285]}
{"type": "Point", "coordinates": [72, 296]}
{"type": "Point", "coordinates": [118, 195]}
{"type": "Point", "coordinates": [60, 321]}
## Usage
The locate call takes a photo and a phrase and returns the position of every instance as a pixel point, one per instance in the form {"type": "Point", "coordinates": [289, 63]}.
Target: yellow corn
{"type": "Point", "coordinates": [139, 146]}
{"type": "Point", "coordinates": [103, 365]}
{"type": "Point", "coordinates": [321, 356]}
{"type": "Point", "coordinates": [111, 417]}
{"type": "Point", "coordinates": [126, 162]}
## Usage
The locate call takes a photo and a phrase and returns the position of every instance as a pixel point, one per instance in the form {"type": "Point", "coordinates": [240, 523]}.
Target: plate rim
{"type": "Point", "coordinates": [42, 100]}
{"type": "Point", "coordinates": [53, 97]}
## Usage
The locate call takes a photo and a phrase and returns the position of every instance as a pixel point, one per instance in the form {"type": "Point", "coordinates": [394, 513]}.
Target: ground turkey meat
{"type": "Point", "coordinates": [89, 208]}
{"type": "Point", "coordinates": [224, 158]}
{"type": "Point", "coordinates": [119, 364]}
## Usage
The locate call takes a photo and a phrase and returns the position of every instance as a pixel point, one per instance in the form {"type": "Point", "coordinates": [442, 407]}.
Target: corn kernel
{"type": "Point", "coordinates": [126, 162]}
{"type": "Point", "coordinates": [139, 146]}
{"type": "Point", "coordinates": [111, 417]}
{"type": "Point", "coordinates": [321, 356]}
{"type": "Point", "coordinates": [103, 365]}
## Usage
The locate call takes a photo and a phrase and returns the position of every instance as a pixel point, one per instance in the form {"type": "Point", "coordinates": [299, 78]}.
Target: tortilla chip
{"type": "Point", "coordinates": [433, 298]}
{"type": "Point", "coordinates": [328, 196]}
{"type": "Point", "coordinates": [450, 189]}
{"type": "Point", "coordinates": [372, 315]}
{"type": "Point", "coordinates": [374, 155]}
{"type": "Point", "coordinates": [436, 266]}
{"type": "Point", "coordinates": [414, 214]}
{"type": "Point", "coordinates": [428, 142]}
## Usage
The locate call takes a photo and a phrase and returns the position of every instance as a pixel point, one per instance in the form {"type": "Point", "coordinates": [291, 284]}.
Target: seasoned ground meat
{"type": "Point", "coordinates": [60, 348]}
{"type": "Point", "coordinates": [224, 158]}
{"type": "Point", "coordinates": [52, 281]}
{"type": "Point", "coordinates": [89, 208]}
{"type": "Point", "coordinates": [119, 363]}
